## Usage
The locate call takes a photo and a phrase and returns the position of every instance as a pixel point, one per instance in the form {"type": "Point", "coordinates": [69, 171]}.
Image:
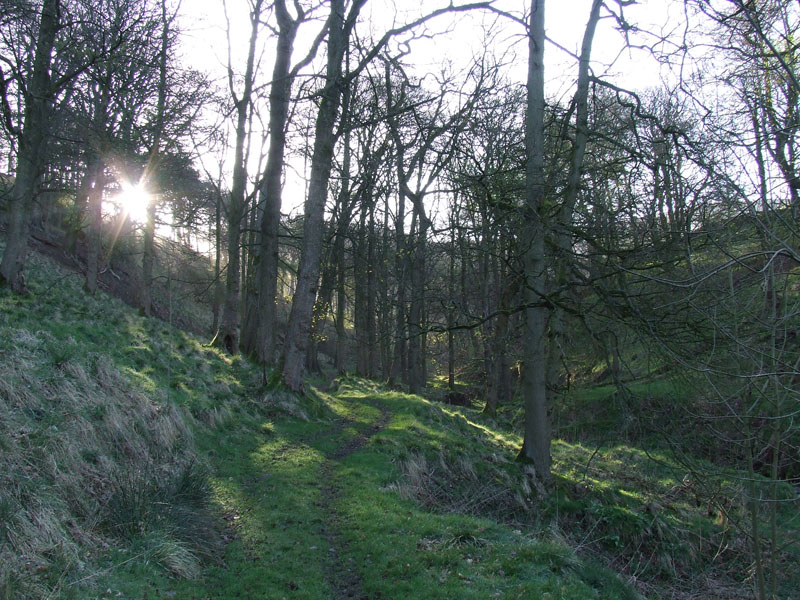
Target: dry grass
{"type": "Point", "coordinates": [68, 433]}
{"type": "Point", "coordinates": [455, 485]}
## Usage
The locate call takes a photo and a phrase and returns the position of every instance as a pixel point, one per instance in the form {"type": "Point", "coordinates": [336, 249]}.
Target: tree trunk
{"type": "Point", "coordinates": [341, 305]}
{"type": "Point", "coordinates": [95, 183]}
{"type": "Point", "coordinates": [322, 308]}
{"type": "Point", "coordinates": [399, 362]}
{"type": "Point", "coordinates": [563, 242]}
{"type": "Point", "coordinates": [149, 246]}
{"type": "Point", "coordinates": [372, 293]}
{"type": "Point", "coordinates": [31, 145]}
{"type": "Point", "coordinates": [361, 291]}
{"type": "Point", "coordinates": [324, 137]}
{"type": "Point", "coordinates": [260, 310]}
{"type": "Point", "coordinates": [330, 282]}
{"type": "Point", "coordinates": [451, 309]}
{"type": "Point", "coordinates": [385, 314]}
{"type": "Point", "coordinates": [487, 251]}
{"type": "Point", "coordinates": [228, 336]}
{"type": "Point", "coordinates": [341, 229]}
{"type": "Point", "coordinates": [148, 259]}
{"type": "Point", "coordinates": [94, 209]}
{"type": "Point", "coordinates": [500, 388]}
{"type": "Point", "coordinates": [536, 443]}
{"type": "Point", "coordinates": [416, 346]}
{"type": "Point", "coordinates": [216, 289]}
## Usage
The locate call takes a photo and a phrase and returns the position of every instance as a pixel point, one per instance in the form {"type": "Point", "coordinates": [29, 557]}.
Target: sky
{"type": "Point", "coordinates": [205, 46]}
{"type": "Point", "coordinates": [565, 20]}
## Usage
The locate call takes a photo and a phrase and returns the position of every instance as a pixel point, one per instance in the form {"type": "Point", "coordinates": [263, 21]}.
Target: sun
{"type": "Point", "coordinates": [134, 200]}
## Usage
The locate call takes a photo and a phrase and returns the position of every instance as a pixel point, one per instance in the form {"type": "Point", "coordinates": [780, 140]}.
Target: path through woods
{"type": "Point", "coordinates": [316, 495]}
{"type": "Point", "coordinates": [342, 574]}
{"type": "Point", "coordinates": [287, 496]}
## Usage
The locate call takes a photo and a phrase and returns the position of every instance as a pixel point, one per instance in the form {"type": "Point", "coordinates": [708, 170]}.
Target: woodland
{"type": "Point", "coordinates": [341, 315]}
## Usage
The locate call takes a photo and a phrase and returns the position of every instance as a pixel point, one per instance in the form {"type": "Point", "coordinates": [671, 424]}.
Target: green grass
{"type": "Point", "coordinates": [139, 463]}
{"type": "Point", "coordinates": [99, 411]}
{"type": "Point", "coordinates": [269, 485]}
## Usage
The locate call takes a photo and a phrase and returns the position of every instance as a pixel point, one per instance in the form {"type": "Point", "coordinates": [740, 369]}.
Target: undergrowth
{"type": "Point", "coordinates": [642, 512]}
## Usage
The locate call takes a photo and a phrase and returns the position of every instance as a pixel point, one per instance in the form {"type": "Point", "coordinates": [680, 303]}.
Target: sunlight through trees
{"type": "Point", "coordinates": [516, 206]}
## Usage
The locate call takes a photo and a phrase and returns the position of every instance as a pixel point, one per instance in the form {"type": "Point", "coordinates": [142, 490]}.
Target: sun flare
{"type": "Point", "coordinates": [134, 200]}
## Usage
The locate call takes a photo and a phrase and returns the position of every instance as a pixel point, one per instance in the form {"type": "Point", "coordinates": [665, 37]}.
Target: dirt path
{"type": "Point", "coordinates": [342, 574]}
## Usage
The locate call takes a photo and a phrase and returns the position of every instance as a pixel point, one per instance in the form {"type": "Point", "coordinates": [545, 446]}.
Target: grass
{"type": "Point", "coordinates": [97, 430]}
{"type": "Point", "coordinates": [139, 463]}
{"type": "Point", "coordinates": [273, 489]}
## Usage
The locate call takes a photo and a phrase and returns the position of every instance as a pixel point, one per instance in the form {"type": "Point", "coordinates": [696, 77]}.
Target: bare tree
{"type": "Point", "coordinates": [228, 335]}
{"type": "Point", "coordinates": [148, 256]}
{"type": "Point", "coordinates": [339, 28]}
{"type": "Point", "coordinates": [260, 310]}
{"type": "Point", "coordinates": [38, 97]}
{"type": "Point", "coordinates": [536, 441]}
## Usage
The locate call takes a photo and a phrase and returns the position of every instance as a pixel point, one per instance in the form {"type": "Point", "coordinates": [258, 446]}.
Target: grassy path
{"type": "Point", "coordinates": [313, 511]}
{"type": "Point", "coordinates": [278, 485]}
{"type": "Point", "coordinates": [342, 574]}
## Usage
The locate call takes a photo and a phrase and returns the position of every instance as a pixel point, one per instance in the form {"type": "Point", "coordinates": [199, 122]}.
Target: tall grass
{"type": "Point", "coordinates": [95, 453]}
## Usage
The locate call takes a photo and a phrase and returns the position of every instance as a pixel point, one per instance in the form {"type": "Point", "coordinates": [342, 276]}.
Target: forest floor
{"type": "Point", "coordinates": [138, 463]}
{"type": "Point", "coordinates": [315, 510]}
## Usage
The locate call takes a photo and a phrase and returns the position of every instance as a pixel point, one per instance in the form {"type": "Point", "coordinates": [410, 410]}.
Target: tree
{"type": "Point", "coordinates": [228, 335]}
{"type": "Point", "coordinates": [105, 103]}
{"type": "Point", "coordinates": [339, 31]}
{"type": "Point", "coordinates": [536, 441]}
{"type": "Point", "coordinates": [260, 311]}
{"type": "Point", "coordinates": [423, 147]}
{"type": "Point", "coordinates": [159, 122]}
{"type": "Point", "coordinates": [488, 182]}
{"type": "Point", "coordinates": [294, 353]}
{"type": "Point", "coordinates": [38, 96]}
{"type": "Point", "coordinates": [740, 300]}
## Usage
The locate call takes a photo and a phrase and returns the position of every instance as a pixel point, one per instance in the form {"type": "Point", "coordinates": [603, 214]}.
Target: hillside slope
{"type": "Point", "coordinates": [139, 463]}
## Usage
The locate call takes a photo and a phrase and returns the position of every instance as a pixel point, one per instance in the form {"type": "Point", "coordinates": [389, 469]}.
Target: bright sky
{"type": "Point", "coordinates": [204, 23]}
{"type": "Point", "coordinates": [206, 46]}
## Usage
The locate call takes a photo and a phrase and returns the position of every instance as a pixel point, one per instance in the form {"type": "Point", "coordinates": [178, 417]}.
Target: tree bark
{"type": "Point", "coordinates": [536, 442]}
{"type": "Point", "coordinates": [324, 137]}
{"type": "Point", "coordinates": [31, 146]}
{"type": "Point", "coordinates": [260, 310]}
